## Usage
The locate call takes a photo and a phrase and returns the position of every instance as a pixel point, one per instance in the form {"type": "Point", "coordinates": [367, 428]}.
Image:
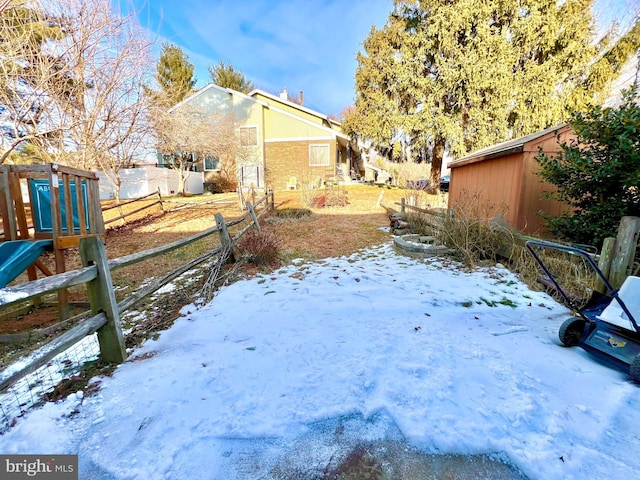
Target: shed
{"type": "Point", "coordinates": [505, 175]}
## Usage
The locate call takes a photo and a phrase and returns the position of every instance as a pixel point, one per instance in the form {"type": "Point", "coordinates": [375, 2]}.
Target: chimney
{"type": "Point", "coordinates": [301, 98]}
{"type": "Point", "coordinates": [284, 94]}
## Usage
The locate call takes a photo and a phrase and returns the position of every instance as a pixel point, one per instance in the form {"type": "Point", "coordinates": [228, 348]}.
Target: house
{"type": "Point", "coordinates": [280, 144]}
{"type": "Point", "coordinates": [505, 175]}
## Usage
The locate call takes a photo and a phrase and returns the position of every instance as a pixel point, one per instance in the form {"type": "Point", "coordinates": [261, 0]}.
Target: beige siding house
{"type": "Point", "coordinates": [281, 144]}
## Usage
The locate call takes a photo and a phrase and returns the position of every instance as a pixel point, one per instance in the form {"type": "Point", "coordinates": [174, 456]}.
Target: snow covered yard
{"type": "Point", "coordinates": [286, 372]}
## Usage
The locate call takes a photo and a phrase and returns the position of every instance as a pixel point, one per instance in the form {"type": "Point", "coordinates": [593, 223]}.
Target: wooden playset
{"type": "Point", "coordinates": [64, 207]}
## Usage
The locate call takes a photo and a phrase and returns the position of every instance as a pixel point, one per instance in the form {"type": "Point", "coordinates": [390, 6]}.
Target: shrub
{"type": "Point", "coordinates": [223, 181]}
{"type": "Point", "coordinates": [597, 175]}
{"type": "Point", "coordinates": [292, 213]}
{"type": "Point", "coordinates": [260, 248]}
{"type": "Point", "coordinates": [420, 224]}
{"type": "Point", "coordinates": [476, 239]}
{"type": "Point", "coordinates": [409, 170]}
{"type": "Point", "coordinates": [288, 215]}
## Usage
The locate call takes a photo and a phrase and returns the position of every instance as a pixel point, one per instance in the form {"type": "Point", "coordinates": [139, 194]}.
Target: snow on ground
{"type": "Point", "coordinates": [7, 296]}
{"type": "Point", "coordinates": [387, 346]}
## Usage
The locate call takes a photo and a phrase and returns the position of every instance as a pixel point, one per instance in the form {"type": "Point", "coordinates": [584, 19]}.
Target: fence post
{"type": "Point", "coordinates": [225, 238]}
{"type": "Point", "coordinates": [160, 200]}
{"type": "Point", "coordinates": [625, 250]}
{"type": "Point", "coordinates": [403, 205]}
{"type": "Point", "coordinates": [6, 205]}
{"type": "Point", "coordinates": [254, 218]}
{"type": "Point", "coordinates": [604, 263]}
{"type": "Point", "coordinates": [103, 299]}
{"type": "Point", "coordinates": [240, 198]}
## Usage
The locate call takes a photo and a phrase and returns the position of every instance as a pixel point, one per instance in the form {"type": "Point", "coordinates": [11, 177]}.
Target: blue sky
{"type": "Point", "coordinates": [307, 45]}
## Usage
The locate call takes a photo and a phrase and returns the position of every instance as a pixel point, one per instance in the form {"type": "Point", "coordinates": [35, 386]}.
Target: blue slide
{"type": "Point", "coordinates": [17, 255]}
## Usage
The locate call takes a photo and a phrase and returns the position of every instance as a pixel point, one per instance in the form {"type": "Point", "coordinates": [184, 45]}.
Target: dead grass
{"type": "Point", "coordinates": [325, 232]}
{"type": "Point", "coordinates": [340, 230]}
{"type": "Point", "coordinates": [573, 274]}
{"type": "Point", "coordinates": [478, 235]}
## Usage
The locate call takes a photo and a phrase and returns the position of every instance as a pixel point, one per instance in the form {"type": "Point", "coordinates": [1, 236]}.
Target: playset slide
{"type": "Point", "coordinates": [17, 255]}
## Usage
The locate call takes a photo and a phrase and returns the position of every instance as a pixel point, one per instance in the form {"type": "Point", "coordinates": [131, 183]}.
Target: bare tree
{"type": "Point", "coordinates": [29, 70]}
{"type": "Point", "coordinates": [126, 153]}
{"type": "Point", "coordinates": [186, 135]}
{"type": "Point", "coordinates": [4, 4]}
{"type": "Point", "coordinates": [111, 59]}
{"type": "Point", "coordinates": [85, 86]}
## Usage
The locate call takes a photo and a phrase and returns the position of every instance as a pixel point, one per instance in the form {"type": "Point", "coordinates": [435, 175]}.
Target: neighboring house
{"type": "Point", "coordinates": [505, 175]}
{"type": "Point", "coordinates": [281, 143]}
{"type": "Point", "coordinates": [301, 142]}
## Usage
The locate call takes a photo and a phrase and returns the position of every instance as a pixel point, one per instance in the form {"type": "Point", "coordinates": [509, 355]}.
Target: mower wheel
{"type": "Point", "coordinates": [570, 332]}
{"type": "Point", "coordinates": [634, 370]}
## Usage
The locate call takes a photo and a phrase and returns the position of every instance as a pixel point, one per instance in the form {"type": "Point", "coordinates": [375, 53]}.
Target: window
{"type": "Point", "coordinates": [318, 155]}
{"type": "Point", "coordinates": [211, 163]}
{"type": "Point", "coordinates": [248, 136]}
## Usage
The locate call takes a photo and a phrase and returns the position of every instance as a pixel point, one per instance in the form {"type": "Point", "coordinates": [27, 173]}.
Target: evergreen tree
{"type": "Point", "coordinates": [466, 74]}
{"type": "Point", "coordinates": [598, 175]}
{"type": "Point", "coordinates": [174, 74]}
{"type": "Point", "coordinates": [224, 75]}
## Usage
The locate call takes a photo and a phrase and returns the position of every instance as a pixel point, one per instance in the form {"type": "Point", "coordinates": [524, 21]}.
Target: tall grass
{"type": "Point", "coordinates": [479, 235]}
{"type": "Point", "coordinates": [474, 230]}
{"type": "Point", "coordinates": [572, 273]}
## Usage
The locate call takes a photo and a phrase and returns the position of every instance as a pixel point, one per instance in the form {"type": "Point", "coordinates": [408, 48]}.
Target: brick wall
{"type": "Point", "coordinates": [291, 159]}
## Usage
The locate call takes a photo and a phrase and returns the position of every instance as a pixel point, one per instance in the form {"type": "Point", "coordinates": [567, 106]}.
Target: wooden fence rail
{"type": "Point", "coordinates": [96, 274]}
{"type": "Point", "coordinates": [133, 200]}
{"type": "Point", "coordinates": [122, 216]}
{"type": "Point", "coordinates": [617, 259]}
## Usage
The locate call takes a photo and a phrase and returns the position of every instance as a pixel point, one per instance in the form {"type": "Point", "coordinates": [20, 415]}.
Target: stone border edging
{"type": "Point", "coordinates": [422, 244]}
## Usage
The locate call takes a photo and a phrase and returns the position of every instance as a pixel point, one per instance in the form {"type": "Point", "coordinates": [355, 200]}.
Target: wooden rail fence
{"type": "Point", "coordinates": [119, 206]}
{"type": "Point", "coordinates": [96, 274]}
{"type": "Point", "coordinates": [616, 260]}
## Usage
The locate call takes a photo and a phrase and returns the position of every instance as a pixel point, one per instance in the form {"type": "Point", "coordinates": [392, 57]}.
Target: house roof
{"type": "Point", "coordinates": [516, 145]}
{"type": "Point", "coordinates": [336, 133]}
{"type": "Point", "coordinates": [213, 86]}
{"type": "Point", "coordinates": [293, 105]}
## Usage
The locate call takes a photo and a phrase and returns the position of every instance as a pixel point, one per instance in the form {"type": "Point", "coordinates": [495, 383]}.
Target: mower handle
{"type": "Point", "coordinates": [611, 292]}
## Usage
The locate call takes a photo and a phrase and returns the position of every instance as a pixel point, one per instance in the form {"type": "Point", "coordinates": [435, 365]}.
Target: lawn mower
{"type": "Point", "coordinates": [607, 327]}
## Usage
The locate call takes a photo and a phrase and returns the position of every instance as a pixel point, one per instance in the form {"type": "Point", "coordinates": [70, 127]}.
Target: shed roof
{"type": "Point", "coordinates": [516, 145]}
